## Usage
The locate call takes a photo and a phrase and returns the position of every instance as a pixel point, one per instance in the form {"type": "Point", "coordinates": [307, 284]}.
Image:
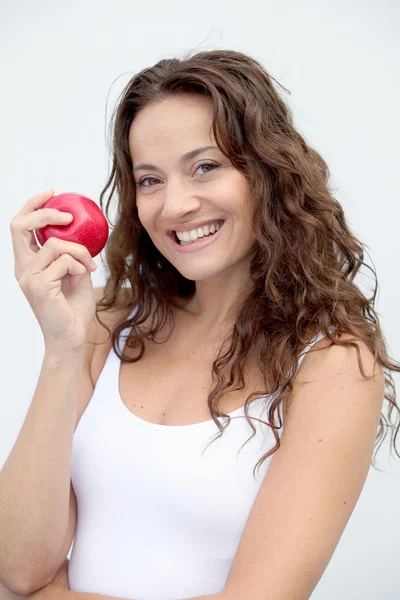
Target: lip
{"type": "Point", "coordinates": [198, 244]}
{"type": "Point", "coordinates": [190, 226]}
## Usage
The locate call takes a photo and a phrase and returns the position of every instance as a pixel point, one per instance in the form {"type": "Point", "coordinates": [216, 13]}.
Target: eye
{"type": "Point", "coordinates": [214, 166]}
{"type": "Point", "coordinates": [141, 182]}
{"type": "Point", "coordinates": [209, 164]}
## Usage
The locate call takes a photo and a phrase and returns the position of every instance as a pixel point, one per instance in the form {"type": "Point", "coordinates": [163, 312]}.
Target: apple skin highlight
{"type": "Point", "coordinates": [88, 227]}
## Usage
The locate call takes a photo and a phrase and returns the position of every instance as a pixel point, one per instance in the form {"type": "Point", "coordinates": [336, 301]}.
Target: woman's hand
{"type": "Point", "coordinates": [55, 278]}
{"type": "Point", "coordinates": [54, 589]}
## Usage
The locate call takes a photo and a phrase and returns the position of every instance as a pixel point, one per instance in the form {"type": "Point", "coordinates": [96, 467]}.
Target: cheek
{"type": "Point", "coordinates": [237, 195]}
{"type": "Point", "coordinates": [144, 216]}
{"type": "Point", "coordinates": [238, 206]}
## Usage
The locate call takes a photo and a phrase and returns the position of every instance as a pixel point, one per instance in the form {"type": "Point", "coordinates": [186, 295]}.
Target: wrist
{"type": "Point", "coordinates": [56, 357]}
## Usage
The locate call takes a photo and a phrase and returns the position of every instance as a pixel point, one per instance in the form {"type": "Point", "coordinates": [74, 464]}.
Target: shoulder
{"type": "Point", "coordinates": [315, 477]}
{"type": "Point", "coordinates": [329, 381]}
{"type": "Point", "coordinates": [324, 360]}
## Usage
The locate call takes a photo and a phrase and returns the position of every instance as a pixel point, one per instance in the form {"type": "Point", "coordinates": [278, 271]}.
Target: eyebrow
{"type": "Point", "coordinates": [184, 159]}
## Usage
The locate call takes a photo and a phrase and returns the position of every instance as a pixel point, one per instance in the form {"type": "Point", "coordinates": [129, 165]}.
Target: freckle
{"type": "Point", "coordinates": [320, 440]}
{"type": "Point", "coordinates": [344, 502]}
{"type": "Point", "coordinates": [141, 407]}
{"type": "Point", "coordinates": [163, 414]}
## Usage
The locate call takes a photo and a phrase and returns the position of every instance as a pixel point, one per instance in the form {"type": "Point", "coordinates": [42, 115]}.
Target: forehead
{"type": "Point", "coordinates": [173, 123]}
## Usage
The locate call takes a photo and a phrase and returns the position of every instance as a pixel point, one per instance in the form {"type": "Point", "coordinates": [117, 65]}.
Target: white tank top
{"type": "Point", "coordinates": [156, 519]}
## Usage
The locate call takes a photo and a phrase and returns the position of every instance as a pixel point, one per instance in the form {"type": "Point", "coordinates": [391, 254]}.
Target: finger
{"type": "Point", "coordinates": [24, 242]}
{"type": "Point", "coordinates": [27, 236]}
{"type": "Point", "coordinates": [54, 248]}
{"type": "Point", "coordinates": [65, 265]}
{"type": "Point", "coordinates": [50, 279]}
{"type": "Point", "coordinates": [76, 279]}
{"type": "Point", "coordinates": [35, 202]}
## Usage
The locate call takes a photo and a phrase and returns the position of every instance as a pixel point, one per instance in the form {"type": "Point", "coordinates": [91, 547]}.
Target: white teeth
{"type": "Point", "coordinates": [193, 234]}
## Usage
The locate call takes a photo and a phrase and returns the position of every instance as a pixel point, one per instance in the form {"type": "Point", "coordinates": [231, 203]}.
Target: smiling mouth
{"type": "Point", "coordinates": [174, 237]}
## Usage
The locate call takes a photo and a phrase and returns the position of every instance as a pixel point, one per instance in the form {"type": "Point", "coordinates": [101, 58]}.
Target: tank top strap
{"type": "Point", "coordinates": [109, 375]}
{"type": "Point", "coordinates": [125, 332]}
{"type": "Point", "coordinates": [313, 341]}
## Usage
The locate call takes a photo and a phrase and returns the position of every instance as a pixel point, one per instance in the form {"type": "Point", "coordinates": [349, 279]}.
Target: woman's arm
{"type": "Point", "coordinates": [68, 595]}
{"type": "Point", "coordinates": [315, 478]}
{"type": "Point", "coordinates": [35, 482]}
{"type": "Point", "coordinates": [58, 589]}
{"type": "Point", "coordinates": [35, 479]}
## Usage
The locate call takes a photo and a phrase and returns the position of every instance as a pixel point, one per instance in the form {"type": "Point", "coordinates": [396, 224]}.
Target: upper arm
{"type": "Point", "coordinates": [314, 479]}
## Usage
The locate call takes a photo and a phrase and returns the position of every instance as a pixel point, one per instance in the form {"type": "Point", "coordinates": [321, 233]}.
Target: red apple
{"type": "Point", "coordinates": [88, 227]}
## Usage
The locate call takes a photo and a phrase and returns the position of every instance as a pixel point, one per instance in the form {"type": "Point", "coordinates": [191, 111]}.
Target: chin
{"type": "Point", "coordinates": [199, 274]}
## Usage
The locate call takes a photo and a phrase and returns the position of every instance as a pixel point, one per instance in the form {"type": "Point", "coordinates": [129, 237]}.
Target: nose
{"type": "Point", "coordinates": [179, 200]}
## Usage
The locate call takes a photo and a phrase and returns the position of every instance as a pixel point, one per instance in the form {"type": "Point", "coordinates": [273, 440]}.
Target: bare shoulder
{"type": "Point", "coordinates": [324, 360]}
{"type": "Point", "coordinates": [316, 476]}
{"type": "Point", "coordinates": [329, 370]}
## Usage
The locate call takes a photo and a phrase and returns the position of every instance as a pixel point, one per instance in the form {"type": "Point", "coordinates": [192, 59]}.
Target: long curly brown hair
{"type": "Point", "coordinates": [305, 257]}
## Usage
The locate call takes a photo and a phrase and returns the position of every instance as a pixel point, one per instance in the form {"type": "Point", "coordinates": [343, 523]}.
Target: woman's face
{"type": "Point", "coordinates": [177, 193]}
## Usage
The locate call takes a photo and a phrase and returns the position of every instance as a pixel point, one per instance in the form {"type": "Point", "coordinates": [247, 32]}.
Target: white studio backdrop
{"type": "Point", "coordinates": [63, 64]}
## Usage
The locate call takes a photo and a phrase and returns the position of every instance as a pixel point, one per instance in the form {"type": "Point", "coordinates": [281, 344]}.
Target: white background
{"type": "Point", "coordinates": [63, 64]}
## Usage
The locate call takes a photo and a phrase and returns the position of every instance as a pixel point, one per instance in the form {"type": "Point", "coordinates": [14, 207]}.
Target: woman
{"type": "Point", "coordinates": [231, 276]}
